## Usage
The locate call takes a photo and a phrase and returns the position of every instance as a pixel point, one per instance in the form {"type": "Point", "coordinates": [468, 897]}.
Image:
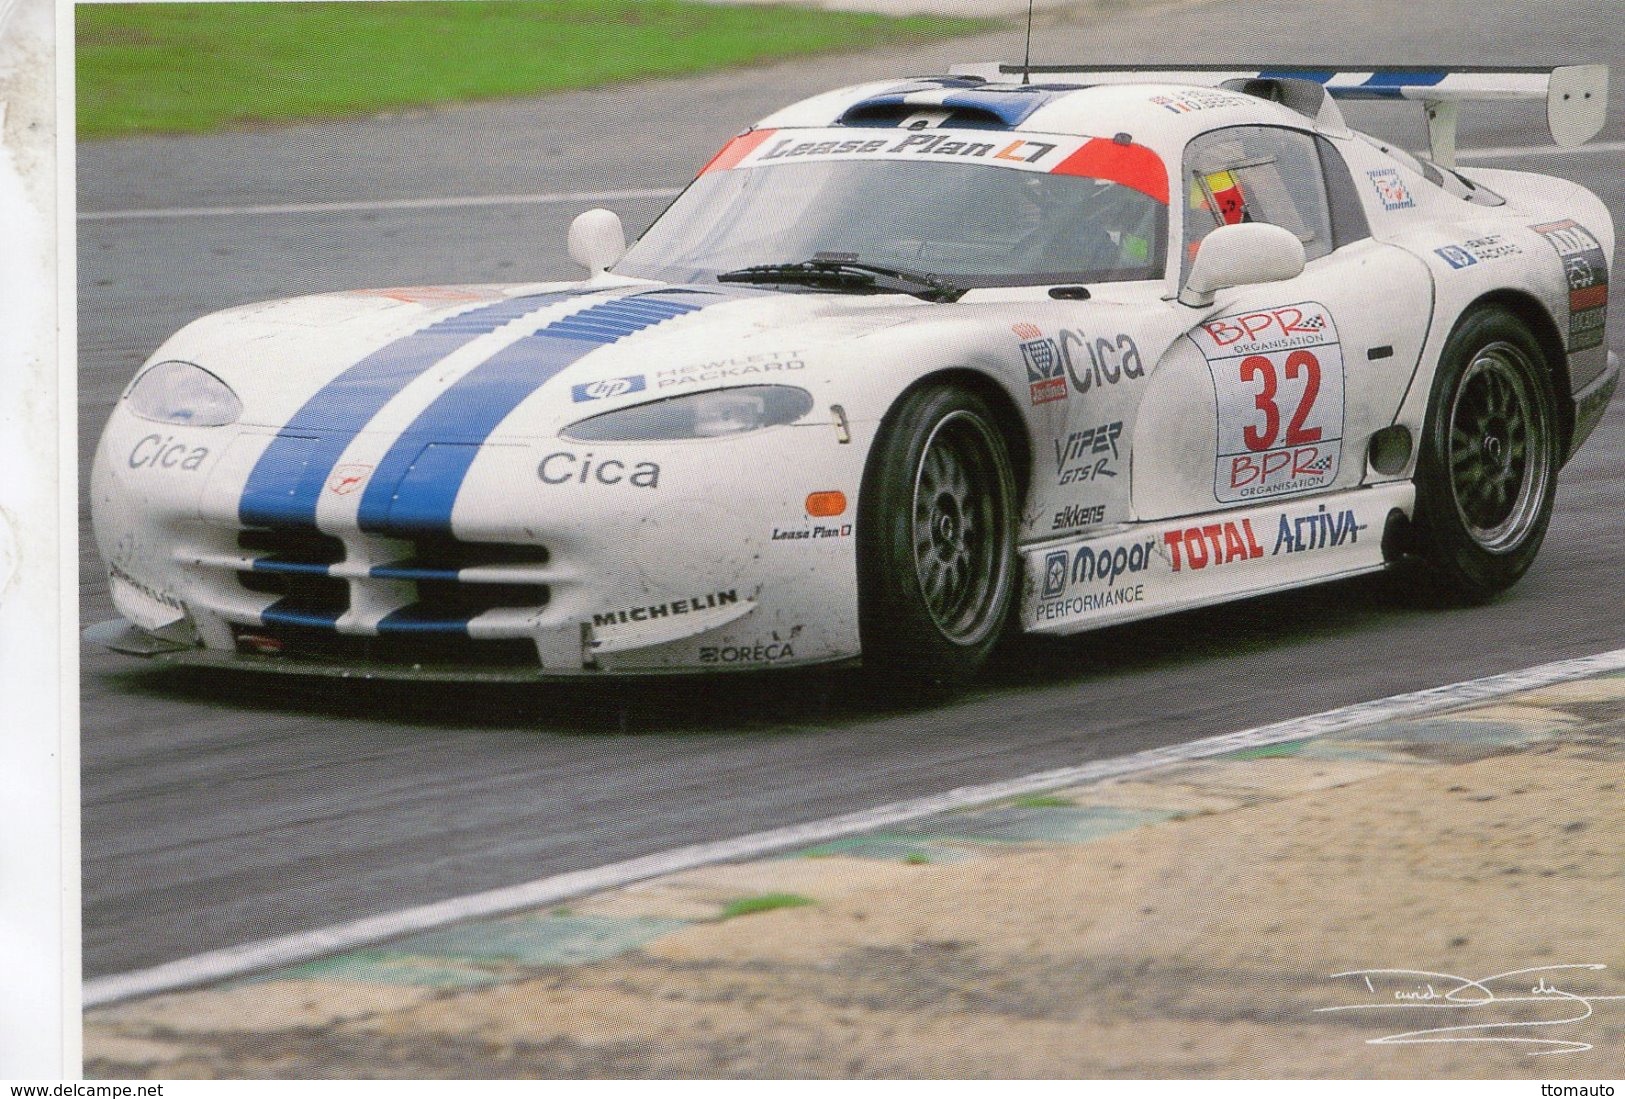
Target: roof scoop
{"type": "Point", "coordinates": [959, 102]}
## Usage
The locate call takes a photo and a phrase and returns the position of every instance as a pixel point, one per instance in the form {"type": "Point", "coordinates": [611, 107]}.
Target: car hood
{"type": "Point", "coordinates": [478, 363]}
{"type": "Point", "coordinates": [548, 353]}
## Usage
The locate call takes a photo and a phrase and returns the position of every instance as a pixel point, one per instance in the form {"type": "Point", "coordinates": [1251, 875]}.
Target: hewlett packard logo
{"type": "Point", "coordinates": [1456, 256]}
{"type": "Point", "coordinates": [606, 387]}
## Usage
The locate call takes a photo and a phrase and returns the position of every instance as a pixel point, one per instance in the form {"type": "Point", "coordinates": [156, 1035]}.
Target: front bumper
{"type": "Point", "coordinates": [1591, 402]}
{"type": "Point", "coordinates": [125, 638]}
{"type": "Point", "coordinates": [715, 566]}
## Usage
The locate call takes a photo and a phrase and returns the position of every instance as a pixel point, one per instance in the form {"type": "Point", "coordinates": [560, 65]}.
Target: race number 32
{"type": "Point", "coordinates": [1278, 389]}
{"type": "Point", "coordinates": [1297, 434]}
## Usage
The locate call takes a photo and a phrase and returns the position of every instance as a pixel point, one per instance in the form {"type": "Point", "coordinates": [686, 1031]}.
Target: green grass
{"type": "Point", "coordinates": [189, 68]}
{"type": "Point", "coordinates": [765, 902]}
{"type": "Point", "coordinates": [1269, 751]}
{"type": "Point", "coordinates": [1043, 801]}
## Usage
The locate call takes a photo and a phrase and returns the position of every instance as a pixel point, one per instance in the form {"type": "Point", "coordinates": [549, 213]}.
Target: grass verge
{"type": "Point", "coordinates": [765, 902]}
{"type": "Point", "coordinates": [1043, 801]}
{"type": "Point", "coordinates": [191, 68]}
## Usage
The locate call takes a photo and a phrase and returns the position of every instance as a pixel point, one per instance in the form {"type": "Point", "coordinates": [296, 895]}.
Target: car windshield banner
{"type": "Point", "coordinates": [1126, 163]}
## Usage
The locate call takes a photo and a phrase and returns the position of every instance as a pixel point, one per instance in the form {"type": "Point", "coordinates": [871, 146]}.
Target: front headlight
{"type": "Point", "coordinates": [180, 393]}
{"type": "Point", "coordinates": [696, 415]}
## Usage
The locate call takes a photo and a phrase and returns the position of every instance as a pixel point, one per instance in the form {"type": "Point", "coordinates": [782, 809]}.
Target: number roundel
{"type": "Point", "coordinates": [1278, 394]}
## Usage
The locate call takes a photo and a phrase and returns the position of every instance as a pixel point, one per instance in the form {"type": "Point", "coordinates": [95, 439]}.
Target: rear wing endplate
{"type": "Point", "coordinates": [1576, 95]}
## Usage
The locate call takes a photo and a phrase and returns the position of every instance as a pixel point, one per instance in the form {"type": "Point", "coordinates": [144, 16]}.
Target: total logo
{"type": "Point", "coordinates": [607, 387]}
{"type": "Point", "coordinates": [1213, 544]}
{"type": "Point", "coordinates": [564, 468]}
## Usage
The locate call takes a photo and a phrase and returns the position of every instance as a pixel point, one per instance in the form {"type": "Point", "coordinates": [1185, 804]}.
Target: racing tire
{"type": "Point", "coordinates": [937, 570]}
{"type": "Point", "coordinates": [1486, 472]}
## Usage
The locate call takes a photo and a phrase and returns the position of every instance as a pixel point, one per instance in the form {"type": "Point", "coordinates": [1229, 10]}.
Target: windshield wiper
{"type": "Point", "coordinates": [849, 274]}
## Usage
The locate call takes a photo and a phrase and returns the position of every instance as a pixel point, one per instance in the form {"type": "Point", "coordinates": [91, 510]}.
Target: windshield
{"type": "Point", "coordinates": [974, 224]}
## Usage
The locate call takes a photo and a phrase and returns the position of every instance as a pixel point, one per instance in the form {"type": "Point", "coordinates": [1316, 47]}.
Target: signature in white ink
{"type": "Point", "coordinates": [1422, 990]}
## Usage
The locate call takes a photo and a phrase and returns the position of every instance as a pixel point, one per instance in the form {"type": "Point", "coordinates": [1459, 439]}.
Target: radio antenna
{"type": "Point", "coordinates": [1027, 58]}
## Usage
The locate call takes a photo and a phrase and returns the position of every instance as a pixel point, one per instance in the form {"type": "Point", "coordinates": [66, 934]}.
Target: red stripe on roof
{"type": "Point", "coordinates": [736, 150]}
{"type": "Point", "coordinates": [1131, 165]}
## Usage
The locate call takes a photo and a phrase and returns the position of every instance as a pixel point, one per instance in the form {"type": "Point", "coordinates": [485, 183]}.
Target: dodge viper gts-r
{"type": "Point", "coordinates": [907, 365]}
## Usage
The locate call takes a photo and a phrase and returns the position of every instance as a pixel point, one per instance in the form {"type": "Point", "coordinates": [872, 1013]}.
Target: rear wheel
{"type": "Point", "coordinates": [1487, 470]}
{"type": "Point", "coordinates": [936, 538]}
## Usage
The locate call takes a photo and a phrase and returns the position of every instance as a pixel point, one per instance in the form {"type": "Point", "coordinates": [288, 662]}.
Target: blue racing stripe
{"type": "Point", "coordinates": [1414, 78]}
{"type": "Point", "coordinates": [1390, 85]}
{"type": "Point", "coordinates": [302, 568]}
{"type": "Point", "coordinates": [285, 612]}
{"type": "Point", "coordinates": [412, 491]}
{"type": "Point", "coordinates": [406, 570]}
{"type": "Point", "coordinates": [287, 481]}
{"type": "Point", "coordinates": [1319, 76]}
{"type": "Point", "coordinates": [416, 619]}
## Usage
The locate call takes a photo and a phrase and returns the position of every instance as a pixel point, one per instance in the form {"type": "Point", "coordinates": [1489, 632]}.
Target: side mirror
{"type": "Point", "coordinates": [1241, 255]}
{"type": "Point", "coordinates": [597, 240]}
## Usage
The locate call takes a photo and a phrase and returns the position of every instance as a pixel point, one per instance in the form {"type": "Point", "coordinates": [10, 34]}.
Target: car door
{"type": "Point", "coordinates": [1278, 387]}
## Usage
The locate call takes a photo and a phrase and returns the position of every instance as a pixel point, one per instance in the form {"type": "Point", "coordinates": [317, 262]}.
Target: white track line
{"type": "Point", "coordinates": [452, 202]}
{"type": "Point", "coordinates": [302, 946]}
{"type": "Point", "coordinates": [447, 203]}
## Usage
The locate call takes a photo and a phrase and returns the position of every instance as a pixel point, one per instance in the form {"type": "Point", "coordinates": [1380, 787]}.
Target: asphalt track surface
{"type": "Point", "coordinates": [220, 809]}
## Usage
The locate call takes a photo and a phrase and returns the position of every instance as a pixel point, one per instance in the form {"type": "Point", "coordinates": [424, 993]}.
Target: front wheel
{"type": "Point", "coordinates": [1487, 470]}
{"type": "Point", "coordinates": [936, 538]}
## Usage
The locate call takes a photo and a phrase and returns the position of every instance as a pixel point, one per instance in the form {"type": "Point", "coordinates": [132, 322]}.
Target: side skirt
{"type": "Point", "coordinates": [1171, 565]}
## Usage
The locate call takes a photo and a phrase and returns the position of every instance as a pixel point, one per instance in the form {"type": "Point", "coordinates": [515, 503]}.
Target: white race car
{"type": "Point", "coordinates": [907, 363]}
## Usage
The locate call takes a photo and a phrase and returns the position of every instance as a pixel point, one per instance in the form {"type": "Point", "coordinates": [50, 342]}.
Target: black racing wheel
{"type": "Point", "coordinates": [1486, 471]}
{"type": "Point", "coordinates": [936, 537]}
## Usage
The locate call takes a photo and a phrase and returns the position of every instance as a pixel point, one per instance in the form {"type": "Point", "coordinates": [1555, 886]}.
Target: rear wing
{"type": "Point", "coordinates": [1576, 96]}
